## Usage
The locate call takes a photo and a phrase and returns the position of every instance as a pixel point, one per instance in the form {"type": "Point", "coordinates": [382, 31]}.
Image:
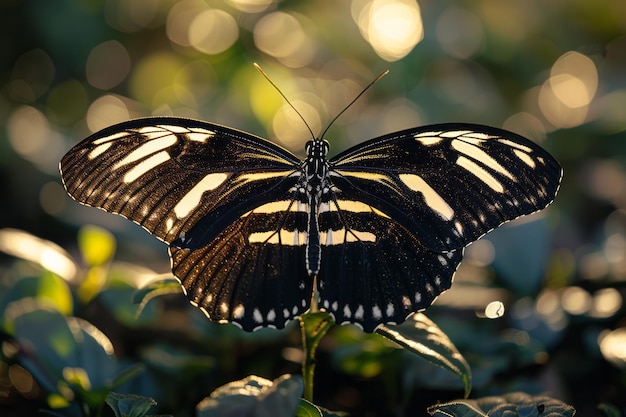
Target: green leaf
{"type": "Point", "coordinates": [609, 410]}
{"type": "Point", "coordinates": [129, 405]}
{"type": "Point", "coordinates": [47, 289]}
{"type": "Point", "coordinates": [515, 404]}
{"type": "Point", "coordinates": [96, 245]}
{"type": "Point", "coordinates": [153, 290]}
{"type": "Point", "coordinates": [68, 351]}
{"type": "Point", "coordinates": [254, 396]}
{"type": "Point", "coordinates": [422, 336]}
{"type": "Point", "coordinates": [44, 253]}
{"type": "Point", "coordinates": [308, 409]}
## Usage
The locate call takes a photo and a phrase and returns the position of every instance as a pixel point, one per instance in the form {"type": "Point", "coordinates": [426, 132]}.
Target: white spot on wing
{"type": "Point", "coordinates": [99, 150]}
{"type": "Point", "coordinates": [376, 312]}
{"type": "Point", "coordinates": [257, 316]}
{"type": "Point", "coordinates": [148, 148]}
{"type": "Point", "coordinates": [524, 158]}
{"type": "Point", "coordinates": [432, 198]}
{"type": "Point", "coordinates": [358, 314]}
{"type": "Point", "coordinates": [346, 311]}
{"type": "Point", "coordinates": [478, 135]}
{"type": "Point", "coordinates": [239, 311]}
{"type": "Point", "coordinates": [390, 310]}
{"type": "Point", "coordinates": [455, 133]}
{"type": "Point", "coordinates": [480, 173]}
{"type": "Point", "coordinates": [191, 200]}
{"type": "Point", "coordinates": [516, 145]}
{"type": "Point", "coordinates": [338, 237]}
{"type": "Point", "coordinates": [198, 137]}
{"type": "Point", "coordinates": [406, 302]}
{"type": "Point", "coordinates": [110, 137]}
{"type": "Point", "coordinates": [478, 154]}
{"type": "Point", "coordinates": [146, 166]}
{"type": "Point", "coordinates": [282, 237]}
{"type": "Point", "coordinates": [428, 138]}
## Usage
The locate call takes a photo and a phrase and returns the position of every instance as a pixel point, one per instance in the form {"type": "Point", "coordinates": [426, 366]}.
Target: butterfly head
{"type": "Point", "coordinates": [317, 149]}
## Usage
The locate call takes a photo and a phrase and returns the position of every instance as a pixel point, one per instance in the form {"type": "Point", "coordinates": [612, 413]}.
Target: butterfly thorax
{"type": "Point", "coordinates": [314, 183]}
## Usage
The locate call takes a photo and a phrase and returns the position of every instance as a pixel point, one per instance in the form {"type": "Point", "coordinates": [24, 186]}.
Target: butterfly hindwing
{"type": "Point", "coordinates": [253, 273]}
{"type": "Point", "coordinates": [374, 270]}
{"type": "Point", "coordinates": [449, 184]}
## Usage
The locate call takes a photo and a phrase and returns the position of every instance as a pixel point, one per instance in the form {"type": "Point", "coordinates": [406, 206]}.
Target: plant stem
{"type": "Point", "coordinates": [314, 326]}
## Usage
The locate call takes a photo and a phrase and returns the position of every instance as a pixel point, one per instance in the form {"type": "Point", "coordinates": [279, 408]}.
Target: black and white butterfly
{"type": "Point", "coordinates": [379, 229]}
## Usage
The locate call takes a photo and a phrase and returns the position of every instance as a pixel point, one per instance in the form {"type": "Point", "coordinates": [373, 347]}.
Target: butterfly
{"type": "Point", "coordinates": [256, 234]}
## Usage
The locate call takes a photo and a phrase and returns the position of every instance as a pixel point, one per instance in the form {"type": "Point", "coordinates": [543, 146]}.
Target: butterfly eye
{"type": "Point", "coordinates": [326, 147]}
{"type": "Point", "coordinates": [308, 146]}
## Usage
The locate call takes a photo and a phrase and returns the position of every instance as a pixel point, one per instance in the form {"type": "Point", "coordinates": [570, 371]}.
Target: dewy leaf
{"type": "Point", "coordinates": [308, 409]}
{"type": "Point", "coordinates": [254, 396]}
{"type": "Point", "coordinates": [129, 405]}
{"type": "Point", "coordinates": [422, 336]}
{"type": "Point", "coordinates": [516, 404]}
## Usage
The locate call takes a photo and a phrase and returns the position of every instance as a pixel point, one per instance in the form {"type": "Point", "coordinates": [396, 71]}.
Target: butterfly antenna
{"type": "Point", "coordinates": [258, 67]}
{"type": "Point", "coordinates": [381, 75]}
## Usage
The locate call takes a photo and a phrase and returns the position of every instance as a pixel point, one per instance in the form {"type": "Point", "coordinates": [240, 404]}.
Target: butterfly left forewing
{"type": "Point", "coordinates": [168, 174]}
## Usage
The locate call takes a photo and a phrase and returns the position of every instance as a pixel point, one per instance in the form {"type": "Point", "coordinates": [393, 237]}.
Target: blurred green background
{"type": "Point", "coordinates": [553, 71]}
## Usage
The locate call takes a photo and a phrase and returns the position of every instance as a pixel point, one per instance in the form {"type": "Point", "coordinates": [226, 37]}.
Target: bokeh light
{"type": "Point", "coordinates": [282, 36]}
{"type": "Point", "coordinates": [213, 31]}
{"type": "Point", "coordinates": [613, 346]}
{"type": "Point", "coordinates": [31, 136]}
{"type": "Point", "coordinates": [251, 6]}
{"type": "Point", "coordinates": [494, 310]}
{"type": "Point", "coordinates": [392, 28]}
{"type": "Point", "coordinates": [108, 64]}
{"type": "Point", "coordinates": [106, 111]}
{"type": "Point", "coordinates": [565, 97]}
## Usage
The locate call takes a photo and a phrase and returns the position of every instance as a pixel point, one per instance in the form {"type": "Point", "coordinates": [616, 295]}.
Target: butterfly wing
{"type": "Point", "coordinates": [416, 198]}
{"type": "Point", "coordinates": [253, 273]}
{"type": "Point", "coordinates": [374, 270]}
{"type": "Point", "coordinates": [206, 190]}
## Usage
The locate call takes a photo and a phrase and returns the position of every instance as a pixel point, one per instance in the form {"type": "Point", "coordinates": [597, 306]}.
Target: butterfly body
{"type": "Point", "coordinates": [382, 226]}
